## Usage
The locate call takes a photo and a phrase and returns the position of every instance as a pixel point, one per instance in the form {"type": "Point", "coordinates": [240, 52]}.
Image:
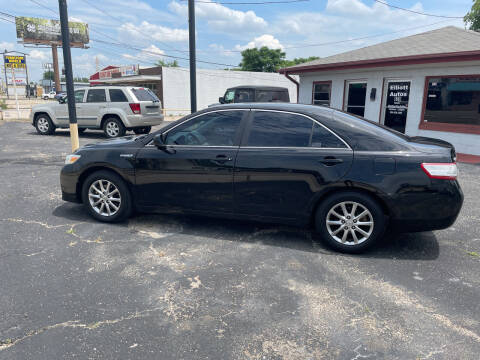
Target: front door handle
{"type": "Point", "coordinates": [330, 161]}
{"type": "Point", "coordinates": [222, 159]}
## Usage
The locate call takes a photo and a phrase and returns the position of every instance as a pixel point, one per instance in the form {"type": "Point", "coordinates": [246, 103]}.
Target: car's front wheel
{"type": "Point", "coordinates": [350, 222]}
{"type": "Point", "coordinates": [44, 125]}
{"type": "Point", "coordinates": [142, 130]}
{"type": "Point", "coordinates": [113, 128]}
{"type": "Point", "coordinates": [106, 197]}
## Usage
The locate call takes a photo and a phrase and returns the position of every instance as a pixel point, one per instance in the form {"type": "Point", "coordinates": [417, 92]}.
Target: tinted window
{"type": "Point", "coordinates": [79, 96]}
{"type": "Point", "coordinates": [144, 94]}
{"type": "Point", "coordinates": [453, 100]}
{"type": "Point", "coordinates": [322, 138]}
{"type": "Point", "coordinates": [96, 95]}
{"type": "Point", "coordinates": [212, 129]}
{"type": "Point", "coordinates": [279, 129]}
{"type": "Point", "coordinates": [272, 96]}
{"type": "Point", "coordinates": [244, 95]}
{"type": "Point", "coordinates": [117, 95]}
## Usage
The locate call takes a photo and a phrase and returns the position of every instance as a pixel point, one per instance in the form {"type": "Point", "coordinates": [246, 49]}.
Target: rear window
{"type": "Point", "coordinates": [143, 94]}
{"type": "Point", "coordinates": [117, 95]}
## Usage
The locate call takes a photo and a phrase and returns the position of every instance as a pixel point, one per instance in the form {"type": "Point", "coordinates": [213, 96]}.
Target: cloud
{"type": "Point", "coordinates": [265, 40]}
{"type": "Point", "coordinates": [222, 18]}
{"type": "Point", "coordinates": [152, 31]}
{"type": "Point", "coordinates": [220, 49]}
{"type": "Point", "coordinates": [39, 55]}
{"type": "Point", "coordinates": [150, 54]}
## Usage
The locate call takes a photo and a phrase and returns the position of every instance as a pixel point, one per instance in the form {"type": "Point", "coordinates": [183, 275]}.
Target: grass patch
{"type": "Point", "coordinates": [473, 253]}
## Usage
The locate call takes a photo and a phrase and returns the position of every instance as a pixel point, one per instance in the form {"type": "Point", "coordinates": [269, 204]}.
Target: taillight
{"type": "Point", "coordinates": [135, 108]}
{"type": "Point", "coordinates": [447, 171]}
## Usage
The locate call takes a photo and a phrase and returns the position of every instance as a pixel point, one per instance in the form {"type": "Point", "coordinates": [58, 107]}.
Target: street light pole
{"type": "Point", "coordinates": [67, 60]}
{"type": "Point", "coordinates": [193, 64]}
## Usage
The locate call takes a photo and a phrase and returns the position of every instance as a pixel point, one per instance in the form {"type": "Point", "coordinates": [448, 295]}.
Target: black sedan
{"type": "Point", "coordinates": [288, 163]}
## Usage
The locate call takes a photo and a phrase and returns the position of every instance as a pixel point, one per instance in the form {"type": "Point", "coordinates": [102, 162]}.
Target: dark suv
{"type": "Point", "coordinates": [246, 94]}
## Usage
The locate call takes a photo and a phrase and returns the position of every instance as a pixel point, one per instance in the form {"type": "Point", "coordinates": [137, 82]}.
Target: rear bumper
{"type": "Point", "coordinates": [433, 209]}
{"type": "Point", "coordinates": [142, 120]}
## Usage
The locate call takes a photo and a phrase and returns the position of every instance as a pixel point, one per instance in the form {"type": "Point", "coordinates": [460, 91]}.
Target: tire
{"type": "Point", "coordinates": [123, 199]}
{"type": "Point", "coordinates": [142, 130]}
{"type": "Point", "coordinates": [113, 128]}
{"type": "Point", "coordinates": [44, 125]}
{"type": "Point", "coordinates": [367, 234]}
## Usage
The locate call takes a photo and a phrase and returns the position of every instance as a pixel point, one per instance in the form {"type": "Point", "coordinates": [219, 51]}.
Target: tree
{"type": "Point", "coordinates": [472, 19]}
{"type": "Point", "coordinates": [81, 79]}
{"type": "Point", "coordinates": [297, 61]}
{"type": "Point", "coordinates": [262, 60]}
{"type": "Point", "coordinates": [174, 63]}
{"type": "Point", "coordinates": [48, 75]}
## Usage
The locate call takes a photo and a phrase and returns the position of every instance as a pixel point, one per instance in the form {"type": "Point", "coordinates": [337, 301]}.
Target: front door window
{"type": "Point", "coordinates": [356, 93]}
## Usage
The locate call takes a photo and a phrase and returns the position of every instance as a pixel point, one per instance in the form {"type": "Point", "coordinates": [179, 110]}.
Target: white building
{"type": "Point", "coordinates": [172, 84]}
{"type": "Point", "coordinates": [424, 85]}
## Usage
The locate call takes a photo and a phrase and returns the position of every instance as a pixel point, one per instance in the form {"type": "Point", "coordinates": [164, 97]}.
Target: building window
{"type": "Point", "coordinates": [355, 95]}
{"type": "Point", "coordinates": [452, 104]}
{"type": "Point", "coordinates": [321, 93]}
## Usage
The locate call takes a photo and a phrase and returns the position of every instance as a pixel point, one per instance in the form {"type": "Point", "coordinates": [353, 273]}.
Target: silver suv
{"type": "Point", "coordinates": [115, 109]}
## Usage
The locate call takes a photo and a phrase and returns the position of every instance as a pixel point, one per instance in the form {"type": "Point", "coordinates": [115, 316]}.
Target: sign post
{"type": "Point", "coordinates": [67, 60]}
{"type": "Point", "coordinates": [14, 62]}
{"type": "Point", "coordinates": [15, 91]}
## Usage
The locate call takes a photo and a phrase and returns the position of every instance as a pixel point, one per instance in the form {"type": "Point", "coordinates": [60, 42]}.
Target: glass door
{"type": "Point", "coordinates": [355, 95]}
{"type": "Point", "coordinates": [395, 98]}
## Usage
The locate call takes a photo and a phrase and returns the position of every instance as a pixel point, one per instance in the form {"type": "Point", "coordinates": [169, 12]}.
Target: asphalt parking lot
{"type": "Point", "coordinates": [173, 287]}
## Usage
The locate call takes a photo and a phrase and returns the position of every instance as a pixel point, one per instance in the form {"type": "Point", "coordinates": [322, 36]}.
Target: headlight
{"type": "Point", "coordinates": [70, 159]}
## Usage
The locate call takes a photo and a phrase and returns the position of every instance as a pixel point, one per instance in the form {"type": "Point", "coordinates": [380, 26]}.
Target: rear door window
{"type": "Point", "coordinates": [322, 138]}
{"type": "Point", "coordinates": [244, 95]}
{"type": "Point", "coordinates": [117, 95]}
{"type": "Point", "coordinates": [143, 94]}
{"type": "Point", "coordinates": [96, 95]}
{"type": "Point", "coordinates": [272, 96]}
{"type": "Point", "coordinates": [272, 129]}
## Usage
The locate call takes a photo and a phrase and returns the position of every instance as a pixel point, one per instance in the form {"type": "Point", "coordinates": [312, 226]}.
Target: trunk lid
{"type": "Point", "coordinates": [432, 145]}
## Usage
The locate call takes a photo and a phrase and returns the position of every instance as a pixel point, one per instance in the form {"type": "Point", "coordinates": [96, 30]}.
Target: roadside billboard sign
{"type": "Point", "coordinates": [43, 31]}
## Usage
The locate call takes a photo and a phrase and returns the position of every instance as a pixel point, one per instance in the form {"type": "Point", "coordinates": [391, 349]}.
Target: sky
{"type": "Point", "coordinates": [125, 32]}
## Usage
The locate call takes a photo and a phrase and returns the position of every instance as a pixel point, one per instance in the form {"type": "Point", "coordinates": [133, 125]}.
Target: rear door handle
{"type": "Point", "coordinates": [222, 159]}
{"type": "Point", "coordinates": [330, 161]}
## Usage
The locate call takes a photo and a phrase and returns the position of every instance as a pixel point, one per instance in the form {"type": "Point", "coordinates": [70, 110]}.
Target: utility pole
{"type": "Point", "coordinates": [67, 61]}
{"type": "Point", "coordinates": [56, 72]}
{"type": "Point", "coordinates": [193, 63]}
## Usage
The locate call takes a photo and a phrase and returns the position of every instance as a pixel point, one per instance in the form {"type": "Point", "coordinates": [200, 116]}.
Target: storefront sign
{"type": "Point", "coordinates": [15, 61]}
{"type": "Point", "coordinates": [121, 71]}
{"type": "Point", "coordinates": [398, 93]}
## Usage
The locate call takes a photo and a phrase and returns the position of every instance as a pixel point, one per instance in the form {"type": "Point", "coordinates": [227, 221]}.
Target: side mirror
{"type": "Point", "coordinates": [159, 142]}
{"type": "Point", "coordinates": [221, 100]}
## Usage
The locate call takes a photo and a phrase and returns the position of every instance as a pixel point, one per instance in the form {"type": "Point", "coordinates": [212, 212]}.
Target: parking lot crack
{"type": "Point", "coordinates": [7, 343]}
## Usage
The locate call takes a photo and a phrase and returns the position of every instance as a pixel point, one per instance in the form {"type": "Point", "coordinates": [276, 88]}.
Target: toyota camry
{"type": "Point", "coordinates": [299, 164]}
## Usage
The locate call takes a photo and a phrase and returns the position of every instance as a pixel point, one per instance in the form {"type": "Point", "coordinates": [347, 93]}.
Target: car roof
{"type": "Point", "coordinates": [261, 87]}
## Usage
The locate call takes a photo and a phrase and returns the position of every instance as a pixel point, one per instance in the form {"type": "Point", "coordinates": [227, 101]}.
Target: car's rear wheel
{"type": "Point", "coordinates": [106, 197]}
{"type": "Point", "coordinates": [142, 130]}
{"type": "Point", "coordinates": [44, 125]}
{"type": "Point", "coordinates": [113, 128]}
{"type": "Point", "coordinates": [350, 222]}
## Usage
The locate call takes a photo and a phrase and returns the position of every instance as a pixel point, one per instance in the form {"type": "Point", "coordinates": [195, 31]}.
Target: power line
{"type": "Point", "coordinates": [418, 12]}
{"type": "Point", "coordinates": [134, 28]}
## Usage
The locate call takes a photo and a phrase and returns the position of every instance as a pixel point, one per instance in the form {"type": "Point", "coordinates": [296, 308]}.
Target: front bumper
{"type": "Point", "coordinates": [68, 184]}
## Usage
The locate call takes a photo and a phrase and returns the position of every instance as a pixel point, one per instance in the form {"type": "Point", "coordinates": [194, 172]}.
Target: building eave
{"type": "Point", "coordinates": [391, 61]}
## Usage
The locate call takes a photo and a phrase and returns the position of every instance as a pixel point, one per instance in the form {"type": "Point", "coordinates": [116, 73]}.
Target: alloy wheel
{"type": "Point", "coordinates": [349, 223]}
{"type": "Point", "coordinates": [104, 197]}
{"type": "Point", "coordinates": [112, 129]}
{"type": "Point", "coordinates": [43, 125]}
